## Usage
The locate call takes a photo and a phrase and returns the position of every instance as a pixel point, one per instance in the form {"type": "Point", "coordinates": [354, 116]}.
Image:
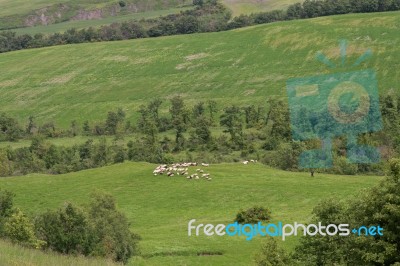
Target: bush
{"type": "Point", "coordinates": [253, 215]}
{"type": "Point", "coordinates": [272, 255]}
{"type": "Point", "coordinates": [65, 230]}
{"type": "Point", "coordinates": [122, 3]}
{"type": "Point", "coordinates": [110, 229]}
{"type": "Point", "coordinates": [99, 230]}
{"type": "Point", "coordinates": [19, 229]}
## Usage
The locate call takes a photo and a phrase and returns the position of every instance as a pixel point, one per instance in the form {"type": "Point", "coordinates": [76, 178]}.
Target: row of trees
{"type": "Point", "coordinates": [208, 16]}
{"type": "Point", "coordinates": [257, 132]}
{"type": "Point", "coordinates": [316, 8]}
{"type": "Point", "coordinates": [98, 229]}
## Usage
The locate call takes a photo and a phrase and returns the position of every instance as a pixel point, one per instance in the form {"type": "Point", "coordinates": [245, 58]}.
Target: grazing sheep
{"type": "Point", "coordinates": [245, 162]}
{"type": "Point", "coordinates": [205, 164]}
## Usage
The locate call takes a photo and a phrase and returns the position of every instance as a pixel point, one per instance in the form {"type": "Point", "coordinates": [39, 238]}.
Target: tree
{"type": "Point", "coordinates": [18, 228]}
{"type": "Point", "coordinates": [232, 120]}
{"type": "Point", "coordinates": [74, 128]}
{"type": "Point", "coordinates": [86, 128]}
{"type": "Point", "coordinates": [187, 24]}
{"type": "Point", "coordinates": [379, 205]}
{"type": "Point", "coordinates": [251, 116]}
{"type": "Point", "coordinates": [6, 166]}
{"type": "Point", "coordinates": [112, 236]}
{"type": "Point", "coordinates": [278, 115]}
{"type": "Point", "coordinates": [180, 119]}
{"type": "Point", "coordinates": [66, 230]}
{"type": "Point", "coordinates": [198, 2]}
{"type": "Point", "coordinates": [272, 255]}
{"type": "Point", "coordinates": [6, 204]}
{"type": "Point", "coordinates": [113, 120]}
{"type": "Point", "coordinates": [198, 110]}
{"type": "Point", "coordinates": [31, 128]}
{"type": "Point", "coordinates": [147, 124]}
{"type": "Point", "coordinates": [212, 109]}
{"type": "Point", "coordinates": [9, 128]}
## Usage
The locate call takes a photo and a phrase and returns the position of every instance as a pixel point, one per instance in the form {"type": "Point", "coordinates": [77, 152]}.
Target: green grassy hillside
{"type": "Point", "coordinates": [81, 24]}
{"type": "Point", "coordinates": [159, 207]}
{"type": "Point", "coordinates": [19, 13]}
{"type": "Point", "coordinates": [241, 66]}
{"type": "Point", "coordinates": [16, 255]}
{"type": "Point", "coordinates": [253, 6]}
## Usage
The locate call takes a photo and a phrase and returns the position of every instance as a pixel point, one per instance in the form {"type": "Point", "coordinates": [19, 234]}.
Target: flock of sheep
{"type": "Point", "coordinates": [251, 161]}
{"type": "Point", "coordinates": [182, 169]}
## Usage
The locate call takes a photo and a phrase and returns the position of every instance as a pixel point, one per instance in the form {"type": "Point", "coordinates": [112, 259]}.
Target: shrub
{"type": "Point", "coordinates": [122, 3]}
{"type": "Point", "coordinates": [65, 230]}
{"type": "Point", "coordinates": [99, 230]}
{"type": "Point", "coordinates": [272, 255]}
{"type": "Point", "coordinates": [110, 229]}
{"type": "Point", "coordinates": [253, 215]}
{"type": "Point", "coordinates": [19, 229]}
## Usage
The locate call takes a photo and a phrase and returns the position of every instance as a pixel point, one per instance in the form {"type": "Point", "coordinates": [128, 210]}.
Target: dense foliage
{"type": "Point", "coordinates": [379, 205]}
{"type": "Point", "coordinates": [98, 229]}
{"type": "Point", "coordinates": [253, 215]}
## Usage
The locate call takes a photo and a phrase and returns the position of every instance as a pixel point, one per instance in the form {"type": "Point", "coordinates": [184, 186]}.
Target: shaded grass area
{"type": "Point", "coordinates": [159, 207]}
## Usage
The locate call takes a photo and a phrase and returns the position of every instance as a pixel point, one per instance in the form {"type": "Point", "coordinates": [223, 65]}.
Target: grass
{"type": "Point", "coordinates": [159, 207]}
{"type": "Point", "coordinates": [244, 66]}
{"type": "Point", "coordinates": [19, 13]}
{"type": "Point", "coordinates": [13, 255]}
{"type": "Point", "coordinates": [81, 24]}
{"type": "Point", "coordinates": [239, 7]}
{"type": "Point", "coordinates": [21, 6]}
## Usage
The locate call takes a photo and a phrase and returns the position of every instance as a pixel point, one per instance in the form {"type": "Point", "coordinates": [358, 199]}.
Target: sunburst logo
{"type": "Point", "coordinates": [337, 105]}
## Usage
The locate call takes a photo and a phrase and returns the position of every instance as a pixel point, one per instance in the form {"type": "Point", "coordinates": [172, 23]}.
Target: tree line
{"type": "Point", "coordinates": [204, 131]}
{"type": "Point", "coordinates": [207, 16]}
{"type": "Point", "coordinates": [97, 230]}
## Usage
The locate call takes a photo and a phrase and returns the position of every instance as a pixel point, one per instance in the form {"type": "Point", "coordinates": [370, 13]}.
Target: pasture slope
{"type": "Point", "coordinates": [239, 7]}
{"type": "Point", "coordinates": [21, 13]}
{"type": "Point", "coordinates": [160, 207]}
{"type": "Point", "coordinates": [12, 255]}
{"type": "Point", "coordinates": [248, 65]}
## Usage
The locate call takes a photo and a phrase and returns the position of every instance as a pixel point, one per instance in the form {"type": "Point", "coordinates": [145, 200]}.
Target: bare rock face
{"type": "Point", "coordinates": [46, 15]}
{"type": "Point", "coordinates": [88, 15]}
{"type": "Point", "coordinates": [64, 12]}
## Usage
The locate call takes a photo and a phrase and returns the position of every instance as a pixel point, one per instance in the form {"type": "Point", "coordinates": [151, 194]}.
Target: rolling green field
{"type": "Point", "coordinates": [81, 24]}
{"type": "Point", "coordinates": [248, 65]}
{"type": "Point", "coordinates": [253, 6]}
{"type": "Point", "coordinates": [160, 207]}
